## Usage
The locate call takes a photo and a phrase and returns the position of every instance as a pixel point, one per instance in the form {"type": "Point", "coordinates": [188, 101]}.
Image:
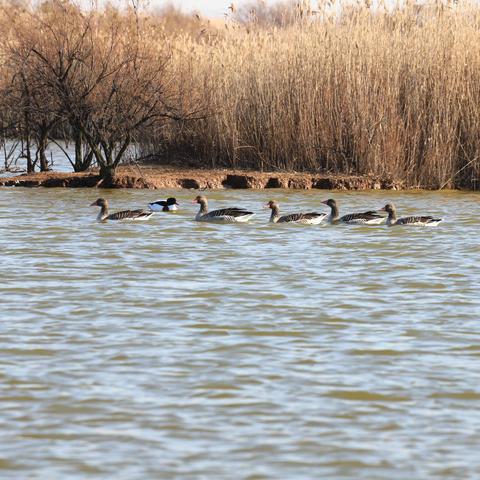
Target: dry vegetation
{"type": "Point", "coordinates": [393, 93]}
{"type": "Point", "coordinates": [97, 77]}
{"type": "Point", "coordinates": [390, 93]}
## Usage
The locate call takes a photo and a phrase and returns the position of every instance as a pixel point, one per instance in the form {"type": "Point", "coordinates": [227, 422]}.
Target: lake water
{"type": "Point", "coordinates": [55, 153]}
{"type": "Point", "coordinates": [178, 350]}
{"type": "Point", "coordinates": [59, 156]}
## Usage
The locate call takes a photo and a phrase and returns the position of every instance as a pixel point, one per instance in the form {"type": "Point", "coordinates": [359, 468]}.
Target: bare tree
{"type": "Point", "coordinates": [107, 81]}
{"type": "Point", "coordinates": [32, 112]}
{"type": "Point", "coordinates": [97, 77]}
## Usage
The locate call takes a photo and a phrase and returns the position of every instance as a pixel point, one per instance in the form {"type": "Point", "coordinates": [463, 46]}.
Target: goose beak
{"type": "Point", "coordinates": [266, 206]}
{"type": "Point", "coordinates": [382, 209]}
{"type": "Point", "coordinates": [325, 202]}
{"type": "Point", "coordinates": [94, 204]}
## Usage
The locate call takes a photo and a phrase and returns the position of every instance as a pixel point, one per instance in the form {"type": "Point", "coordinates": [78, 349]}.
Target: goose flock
{"type": "Point", "coordinates": [242, 215]}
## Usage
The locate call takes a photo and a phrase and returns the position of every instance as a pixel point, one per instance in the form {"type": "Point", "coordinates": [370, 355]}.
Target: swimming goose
{"type": "Point", "coordinates": [312, 218]}
{"type": "Point", "coordinates": [168, 205]}
{"type": "Point", "coordinates": [414, 221]}
{"type": "Point", "coordinates": [103, 216]}
{"type": "Point", "coordinates": [227, 215]}
{"type": "Point", "coordinates": [366, 218]}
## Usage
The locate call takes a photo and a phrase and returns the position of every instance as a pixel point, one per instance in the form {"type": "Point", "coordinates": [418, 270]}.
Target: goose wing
{"type": "Point", "coordinates": [418, 220]}
{"type": "Point", "coordinates": [228, 212]}
{"type": "Point", "coordinates": [312, 215]}
{"type": "Point", "coordinates": [299, 217]}
{"type": "Point", "coordinates": [130, 215]}
{"type": "Point", "coordinates": [361, 217]}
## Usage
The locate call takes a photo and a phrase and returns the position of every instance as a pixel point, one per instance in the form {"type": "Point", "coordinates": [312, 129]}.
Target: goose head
{"type": "Point", "coordinates": [100, 202]}
{"type": "Point", "coordinates": [272, 204]}
{"type": "Point", "coordinates": [200, 199]}
{"type": "Point", "coordinates": [330, 202]}
{"type": "Point", "coordinates": [389, 208]}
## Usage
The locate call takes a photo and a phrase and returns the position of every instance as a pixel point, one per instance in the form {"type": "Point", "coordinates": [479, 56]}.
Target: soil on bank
{"type": "Point", "coordinates": [173, 177]}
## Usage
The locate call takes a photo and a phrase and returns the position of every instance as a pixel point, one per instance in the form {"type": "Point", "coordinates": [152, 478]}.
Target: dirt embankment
{"type": "Point", "coordinates": [167, 177]}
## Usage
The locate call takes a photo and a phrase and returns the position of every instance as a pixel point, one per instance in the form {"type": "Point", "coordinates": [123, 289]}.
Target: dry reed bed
{"type": "Point", "coordinates": [390, 94]}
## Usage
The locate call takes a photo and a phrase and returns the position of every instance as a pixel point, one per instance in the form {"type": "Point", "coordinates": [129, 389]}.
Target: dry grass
{"type": "Point", "coordinates": [387, 93]}
{"type": "Point", "coordinates": [395, 94]}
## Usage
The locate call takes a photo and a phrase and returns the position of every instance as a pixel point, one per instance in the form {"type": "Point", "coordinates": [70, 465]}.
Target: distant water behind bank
{"type": "Point", "coordinates": [56, 157]}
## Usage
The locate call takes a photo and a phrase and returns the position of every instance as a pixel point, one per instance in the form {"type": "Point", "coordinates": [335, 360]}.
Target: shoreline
{"type": "Point", "coordinates": [157, 177]}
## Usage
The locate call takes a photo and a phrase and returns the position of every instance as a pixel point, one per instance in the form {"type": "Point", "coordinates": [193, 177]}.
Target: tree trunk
{"type": "Point", "coordinates": [77, 167]}
{"type": "Point", "coordinates": [107, 172]}
{"type": "Point", "coordinates": [26, 119]}
{"type": "Point", "coordinates": [30, 164]}
{"type": "Point", "coordinates": [42, 147]}
{"type": "Point", "coordinates": [28, 151]}
{"type": "Point", "coordinates": [87, 161]}
{"type": "Point", "coordinates": [81, 163]}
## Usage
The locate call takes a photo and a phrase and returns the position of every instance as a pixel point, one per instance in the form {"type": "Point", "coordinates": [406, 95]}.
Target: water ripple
{"type": "Point", "coordinates": [173, 349]}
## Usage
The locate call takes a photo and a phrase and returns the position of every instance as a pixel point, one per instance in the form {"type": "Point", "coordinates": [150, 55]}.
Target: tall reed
{"type": "Point", "coordinates": [390, 93]}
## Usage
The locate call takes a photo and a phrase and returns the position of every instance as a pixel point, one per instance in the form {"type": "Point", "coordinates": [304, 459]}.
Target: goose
{"type": "Point", "coordinates": [414, 221]}
{"type": "Point", "coordinates": [311, 218]}
{"type": "Point", "coordinates": [168, 205]}
{"type": "Point", "coordinates": [366, 218]}
{"type": "Point", "coordinates": [227, 215]}
{"type": "Point", "coordinates": [103, 216]}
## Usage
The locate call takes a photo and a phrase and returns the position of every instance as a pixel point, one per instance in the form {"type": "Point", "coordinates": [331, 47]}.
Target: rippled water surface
{"type": "Point", "coordinates": [177, 350]}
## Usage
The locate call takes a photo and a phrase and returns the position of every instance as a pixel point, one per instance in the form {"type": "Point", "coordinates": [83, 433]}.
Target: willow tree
{"type": "Point", "coordinates": [103, 72]}
{"type": "Point", "coordinates": [32, 113]}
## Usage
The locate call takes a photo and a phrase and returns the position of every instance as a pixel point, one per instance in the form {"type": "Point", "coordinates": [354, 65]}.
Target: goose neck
{"type": "Point", "coordinates": [103, 214]}
{"type": "Point", "coordinates": [334, 214]}
{"type": "Point", "coordinates": [275, 214]}
{"type": "Point", "coordinates": [203, 207]}
{"type": "Point", "coordinates": [392, 217]}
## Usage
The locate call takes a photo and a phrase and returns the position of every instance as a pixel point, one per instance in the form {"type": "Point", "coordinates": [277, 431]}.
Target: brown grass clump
{"type": "Point", "coordinates": [390, 93]}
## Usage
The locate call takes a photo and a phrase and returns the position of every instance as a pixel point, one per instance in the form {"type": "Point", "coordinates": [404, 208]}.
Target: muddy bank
{"type": "Point", "coordinates": [165, 177]}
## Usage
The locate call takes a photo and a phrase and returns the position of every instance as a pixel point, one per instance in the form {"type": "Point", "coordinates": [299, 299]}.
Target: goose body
{"type": "Point", "coordinates": [224, 215]}
{"type": "Point", "coordinates": [311, 218]}
{"type": "Point", "coordinates": [418, 221]}
{"type": "Point", "coordinates": [168, 205]}
{"type": "Point", "coordinates": [103, 216]}
{"type": "Point", "coordinates": [365, 218]}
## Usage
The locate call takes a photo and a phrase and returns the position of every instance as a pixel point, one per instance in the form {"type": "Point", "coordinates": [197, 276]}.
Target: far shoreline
{"type": "Point", "coordinates": [165, 177]}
